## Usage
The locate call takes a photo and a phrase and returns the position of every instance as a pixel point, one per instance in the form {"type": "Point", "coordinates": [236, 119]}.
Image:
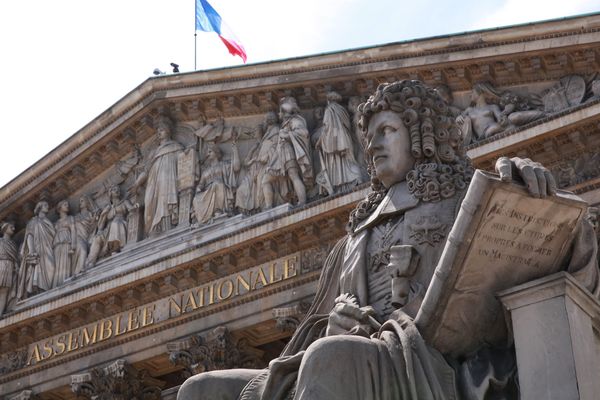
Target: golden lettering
{"type": "Point", "coordinates": [60, 345]}
{"type": "Point", "coordinates": [34, 354]}
{"type": "Point", "coordinates": [148, 315]}
{"type": "Point", "coordinates": [133, 321]}
{"type": "Point", "coordinates": [118, 330]}
{"type": "Point", "coordinates": [86, 339]}
{"type": "Point", "coordinates": [272, 275]}
{"type": "Point", "coordinates": [201, 296]}
{"type": "Point", "coordinates": [48, 350]}
{"type": "Point", "coordinates": [229, 290]}
{"type": "Point", "coordinates": [260, 277]}
{"type": "Point", "coordinates": [190, 303]}
{"type": "Point", "coordinates": [289, 268]}
{"type": "Point", "coordinates": [72, 344]}
{"type": "Point", "coordinates": [174, 305]}
{"type": "Point", "coordinates": [241, 281]}
{"type": "Point", "coordinates": [105, 329]}
{"type": "Point", "coordinates": [211, 294]}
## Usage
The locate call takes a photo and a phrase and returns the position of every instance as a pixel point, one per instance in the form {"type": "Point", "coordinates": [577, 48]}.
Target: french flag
{"type": "Point", "coordinates": [209, 20]}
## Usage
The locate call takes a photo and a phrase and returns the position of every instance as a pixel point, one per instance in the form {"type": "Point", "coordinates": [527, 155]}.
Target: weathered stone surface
{"type": "Point", "coordinates": [553, 322]}
{"type": "Point", "coordinates": [502, 237]}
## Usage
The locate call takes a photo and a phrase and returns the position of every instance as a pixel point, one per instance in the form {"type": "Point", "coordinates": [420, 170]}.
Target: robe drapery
{"type": "Point", "coordinates": [293, 151]}
{"type": "Point", "coordinates": [8, 262]}
{"type": "Point", "coordinates": [215, 191]}
{"type": "Point", "coordinates": [337, 149]}
{"type": "Point", "coordinates": [393, 363]}
{"type": "Point", "coordinates": [36, 272]}
{"type": "Point", "coordinates": [161, 196]}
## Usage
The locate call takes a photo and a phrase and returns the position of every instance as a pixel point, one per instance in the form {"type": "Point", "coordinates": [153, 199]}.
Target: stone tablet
{"type": "Point", "coordinates": [502, 237]}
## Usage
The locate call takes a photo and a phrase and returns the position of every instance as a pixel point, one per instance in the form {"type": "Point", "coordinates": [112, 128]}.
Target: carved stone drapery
{"type": "Point", "coordinates": [12, 361]}
{"type": "Point", "coordinates": [24, 395]}
{"type": "Point", "coordinates": [116, 381]}
{"type": "Point", "coordinates": [215, 350]}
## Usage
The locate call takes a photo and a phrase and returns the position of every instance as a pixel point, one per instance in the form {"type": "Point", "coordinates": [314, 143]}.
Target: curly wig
{"type": "Point", "coordinates": [441, 166]}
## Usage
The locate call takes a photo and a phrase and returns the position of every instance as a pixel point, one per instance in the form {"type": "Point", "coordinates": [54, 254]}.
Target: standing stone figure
{"type": "Point", "coordinates": [253, 189]}
{"type": "Point", "coordinates": [215, 191]}
{"type": "Point", "coordinates": [8, 264]}
{"type": "Point", "coordinates": [111, 233]}
{"type": "Point", "coordinates": [292, 157]}
{"type": "Point", "coordinates": [85, 225]}
{"type": "Point", "coordinates": [161, 195]}
{"type": "Point", "coordinates": [335, 146]}
{"type": "Point", "coordinates": [64, 244]}
{"type": "Point", "coordinates": [36, 272]}
{"type": "Point", "coordinates": [356, 343]}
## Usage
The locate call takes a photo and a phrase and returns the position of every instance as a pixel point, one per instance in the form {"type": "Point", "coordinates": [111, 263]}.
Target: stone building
{"type": "Point", "coordinates": [201, 206]}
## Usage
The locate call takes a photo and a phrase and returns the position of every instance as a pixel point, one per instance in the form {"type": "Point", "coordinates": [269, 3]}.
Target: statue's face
{"type": "Point", "coordinates": [388, 145]}
{"type": "Point", "coordinates": [44, 207]}
{"type": "Point", "coordinates": [9, 230]}
{"type": "Point", "coordinates": [64, 206]}
{"type": "Point", "coordinates": [163, 132]}
{"type": "Point", "coordinates": [82, 204]}
{"type": "Point", "coordinates": [114, 192]}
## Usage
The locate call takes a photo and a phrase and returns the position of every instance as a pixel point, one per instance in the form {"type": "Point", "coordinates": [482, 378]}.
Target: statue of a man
{"type": "Point", "coordinates": [161, 199]}
{"type": "Point", "coordinates": [292, 157]}
{"type": "Point", "coordinates": [9, 262]}
{"type": "Point", "coordinates": [357, 342]}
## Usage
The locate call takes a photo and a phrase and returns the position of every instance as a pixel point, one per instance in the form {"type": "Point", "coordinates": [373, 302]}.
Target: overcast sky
{"type": "Point", "coordinates": [66, 61]}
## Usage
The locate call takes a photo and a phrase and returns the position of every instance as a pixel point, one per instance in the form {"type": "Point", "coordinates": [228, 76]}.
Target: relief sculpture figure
{"type": "Point", "coordinates": [492, 112]}
{"type": "Point", "coordinates": [161, 195]}
{"type": "Point", "coordinates": [36, 272]}
{"type": "Point", "coordinates": [8, 265]}
{"type": "Point", "coordinates": [65, 239]}
{"type": "Point", "coordinates": [254, 189]}
{"type": "Point", "coordinates": [111, 233]}
{"type": "Point", "coordinates": [335, 146]}
{"type": "Point", "coordinates": [359, 340]}
{"type": "Point", "coordinates": [215, 191]}
{"type": "Point", "coordinates": [85, 226]}
{"type": "Point", "coordinates": [292, 158]}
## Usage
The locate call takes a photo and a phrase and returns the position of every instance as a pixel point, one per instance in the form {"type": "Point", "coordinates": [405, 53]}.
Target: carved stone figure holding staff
{"type": "Point", "coordinates": [358, 342]}
{"type": "Point", "coordinates": [65, 239]}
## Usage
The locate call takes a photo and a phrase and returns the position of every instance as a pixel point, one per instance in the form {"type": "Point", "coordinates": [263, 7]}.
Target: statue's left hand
{"type": "Point", "coordinates": [537, 178]}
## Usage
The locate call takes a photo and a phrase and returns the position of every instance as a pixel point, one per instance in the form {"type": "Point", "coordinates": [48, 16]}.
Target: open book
{"type": "Point", "coordinates": [502, 237]}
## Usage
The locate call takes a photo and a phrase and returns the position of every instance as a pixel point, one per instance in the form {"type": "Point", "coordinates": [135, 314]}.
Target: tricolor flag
{"type": "Point", "coordinates": [209, 20]}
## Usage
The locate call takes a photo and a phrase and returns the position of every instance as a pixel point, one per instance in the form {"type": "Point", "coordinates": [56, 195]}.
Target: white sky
{"type": "Point", "coordinates": [66, 61]}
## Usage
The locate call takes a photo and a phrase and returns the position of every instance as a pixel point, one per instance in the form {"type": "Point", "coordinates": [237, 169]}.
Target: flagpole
{"type": "Point", "coordinates": [195, 40]}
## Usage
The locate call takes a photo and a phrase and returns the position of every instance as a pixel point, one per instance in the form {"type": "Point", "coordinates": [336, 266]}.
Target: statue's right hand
{"type": "Point", "coordinates": [347, 318]}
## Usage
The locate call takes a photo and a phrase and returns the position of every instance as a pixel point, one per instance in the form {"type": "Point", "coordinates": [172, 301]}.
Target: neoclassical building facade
{"type": "Point", "coordinates": [184, 229]}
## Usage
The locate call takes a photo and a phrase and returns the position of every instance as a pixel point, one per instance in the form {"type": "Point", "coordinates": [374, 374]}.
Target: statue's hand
{"type": "Point", "coordinates": [350, 319]}
{"type": "Point", "coordinates": [537, 178]}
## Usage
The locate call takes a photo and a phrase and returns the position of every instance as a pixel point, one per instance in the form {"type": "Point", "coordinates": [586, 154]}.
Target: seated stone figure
{"type": "Point", "coordinates": [356, 341]}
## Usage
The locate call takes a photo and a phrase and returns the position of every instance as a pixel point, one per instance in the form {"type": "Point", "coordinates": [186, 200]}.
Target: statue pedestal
{"type": "Point", "coordinates": [558, 349]}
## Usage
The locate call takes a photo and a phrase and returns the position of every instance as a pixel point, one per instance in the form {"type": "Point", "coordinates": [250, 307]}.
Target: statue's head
{"type": "Point", "coordinates": [62, 206]}
{"type": "Point", "coordinates": [411, 136]}
{"type": "Point", "coordinates": [85, 203]}
{"type": "Point", "coordinates": [164, 127]}
{"type": "Point", "coordinates": [271, 118]}
{"type": "Point", "coordinates": [7, 228]}
{"type": "Point", "coordinates": [334, 97]}
{"type": "Point", "coordinates": [41, 206]}
{"type": "Point", "coordinates": [288, 106]}
{"type": "Point", "coordinates": [114, 192]}
{"type": "Point", "coordinates": [213, 152]}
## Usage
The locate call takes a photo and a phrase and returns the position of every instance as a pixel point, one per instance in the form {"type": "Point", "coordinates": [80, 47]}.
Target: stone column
{"type": "Point", "coordinates": [556, 344]}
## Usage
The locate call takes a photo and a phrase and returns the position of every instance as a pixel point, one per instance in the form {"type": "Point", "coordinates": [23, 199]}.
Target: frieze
{"type": "Point", "coordinates": [218, 291]}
